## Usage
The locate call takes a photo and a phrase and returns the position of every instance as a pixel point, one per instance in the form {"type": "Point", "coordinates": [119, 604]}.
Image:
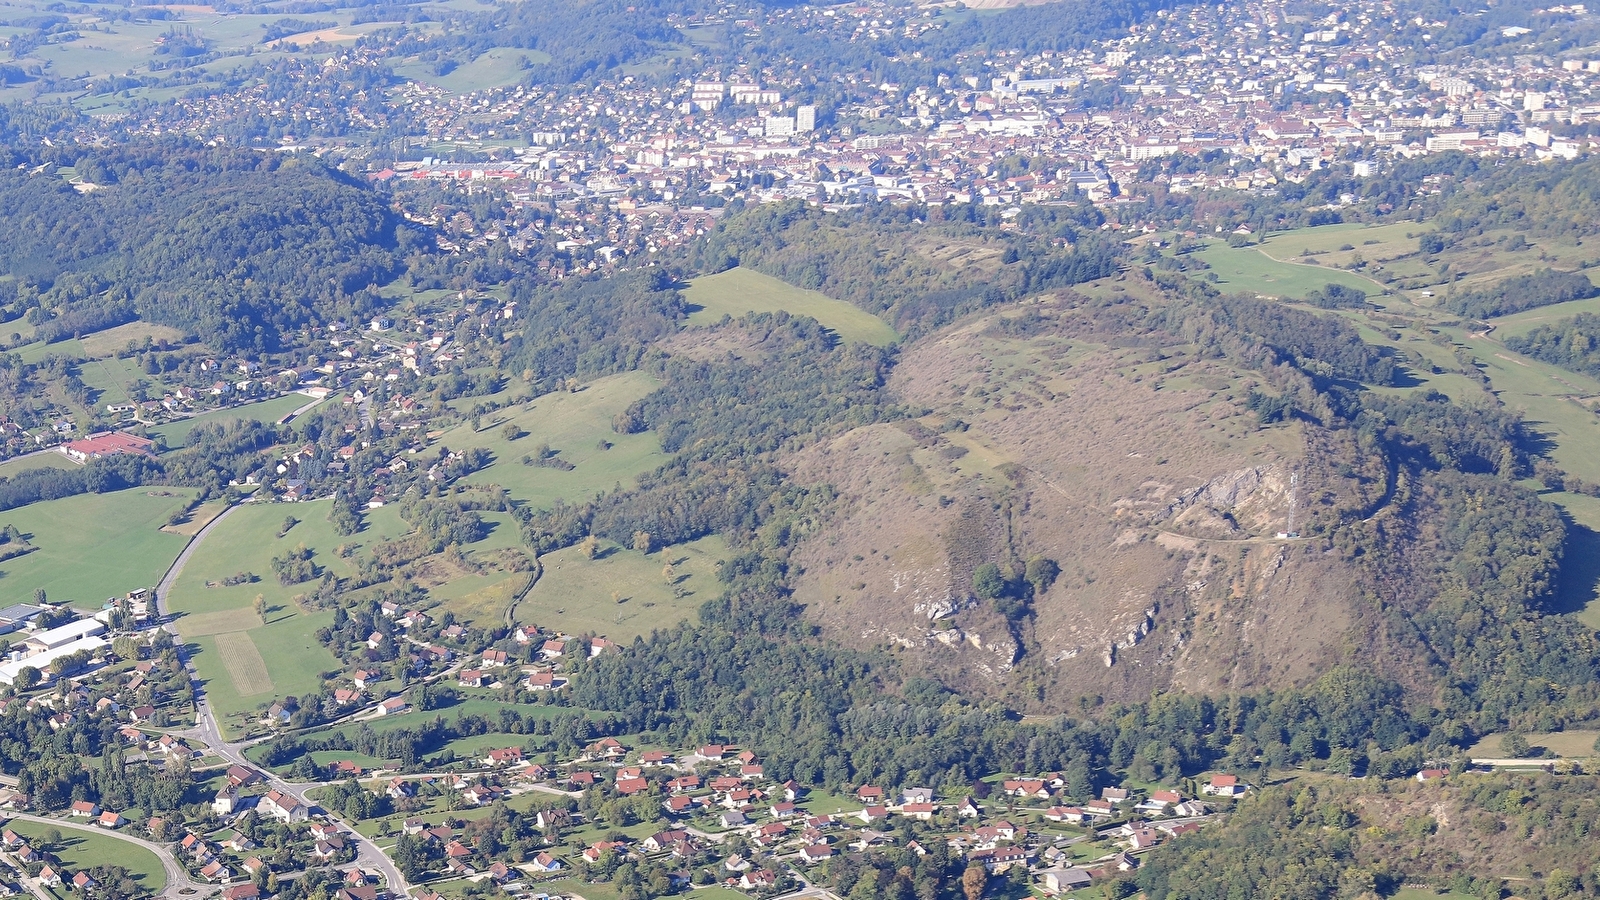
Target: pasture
{"type": "Point", "coordinates": [109, 342]}
{"type": "Point", "coordinates": [1565, 744]}
{"type": "Point", "coordinates": [93, 546]}
{"type": "Point", "coordinates": [623, 593]}
{"type": "Point", "coordinates": [49, 459]}
{"type": "Point", "coordinates": [739, 291]}
{"type": "Point", "coordinates": [1251, 269]}
{"type": "Point", "coordinates": [81, 850]}
{"type": "Point", "coordinates": [176, 433]}
{"type": "Point", "coordinates": [574, 425]}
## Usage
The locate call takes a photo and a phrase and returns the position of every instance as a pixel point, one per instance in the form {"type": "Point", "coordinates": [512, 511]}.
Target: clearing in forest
{"type": "Point", "coordinates": [739, 291]}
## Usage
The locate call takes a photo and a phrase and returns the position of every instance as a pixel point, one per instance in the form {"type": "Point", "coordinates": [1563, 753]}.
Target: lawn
{"type": "Point", "coordinates": [576, 426]}
{"type": "Point", "coordinates": [739, 291]}
{"type": "Point", "coordinates": [93, 546]}
{"type": "Point", "coordinates": [1250, 269]}
{"type": "Point", "coordinates": [272, 410]}
{"type": "Point", "coordinates": [622, 593]}
{"type": "Point", "coordinates": [81, 850]}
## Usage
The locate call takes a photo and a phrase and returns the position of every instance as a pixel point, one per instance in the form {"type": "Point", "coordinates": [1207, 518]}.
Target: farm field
{"type": "Point", "coordinates": [272, 410]}
{"type": "Point", "coordinates": [573, 425]}
{"type": "Point", "coordinates": [575, 594]}
{"type": "Point", "coordinates": [739, 291]}
{"type": "Point", "coordinates": [81, 850]}
{"type": "Point", "coordinates": [1251, 269]}
{"type": "Point", "coordinates": [93, 546]}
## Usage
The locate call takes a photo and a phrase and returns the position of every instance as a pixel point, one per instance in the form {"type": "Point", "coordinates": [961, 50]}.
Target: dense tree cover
{"type": "Point", "coordinates": [1346, 839]}
{"type": "Point", "coordinates": [1540, 288]}
{"type": "Point", "coordinates": [868, 257]}
{"type": "Point", "coordinates": [231, 245]}
{"type": "Point", "coordinates": [1572, 343]}
{"type": "Point", "coordinates": [586, 328]}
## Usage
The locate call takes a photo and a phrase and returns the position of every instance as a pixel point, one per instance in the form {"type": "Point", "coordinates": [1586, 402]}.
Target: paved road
{"type": "Point", "coordinates": [178, 881]}
{"type": "Point", "coordinates": [207, 730]}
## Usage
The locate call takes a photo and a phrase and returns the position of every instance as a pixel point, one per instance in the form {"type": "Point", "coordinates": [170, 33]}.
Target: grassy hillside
{"type": "Point", "coordinates": [622, 593]}
{"type": "Point", "coordinates": [574, 425]}
{"type": "Point", "coordinates": [93, 546]}
{"type": "Point", "coordinates": [739, 291]}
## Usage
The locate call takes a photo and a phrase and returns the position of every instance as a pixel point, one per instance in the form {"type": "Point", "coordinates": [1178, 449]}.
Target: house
{"type": "Point", "coordinates": [1026, 787]}
{"type": "Point", "coordinates": [393, 706]}
{"type": "Point", "coordinates": [684, 785]}
{"type": "Point", "coordinates": [544, 862]}
{"type": "Point", "coordinates": [680, 805]}
{"type": "Point", "coordinates": [546, 681]}
{"type": "Point", "coordinates": [500, 873]}
{"type": "Point", "coordinates": [111, 820]}
{"type": "Point", "coordinates": [1432, 774]}
{"type": "Point", "coordinates": [82, 881]}
{"type": "Point", "coordinates": [49, 877]}
{"type": "Point", "coordinates": [999, 859]}
{"type": "Point", "coordinates": [663, 840]}
{"type": "Point", "coordinates": [655, 758]}
{"type": "Point", "coordinates": [243, 776]}
{"type": "Point", "coordinates": [1065, 814]}
{"type": "Point", "coordinates": [609, 748]}
{"type": "Point", "coordinates": [362, 678]}
{"type": "Point", "coordinates": [784, 810]}
{"type": "Point", "coordinates": [246, 891]}
{"type": "Point", "coordinates": [1114, 794]}
{"type": "Point", "coordinates": [400, 788]}
{"type": "Point", "coordinates": [504, 757]}
{"type": "Point", "coordinates": [478, 795]}
{"type": "Point", "coordinates": [601, 848]}
{"type": "Point", "coordinates": [358, 892]}
{"type": "Point", "coordinates": [1062, 881]}
{"type": "Point", "coordinates": [816, 853]}
{"type": "Point", "coordinates": [968, 808]}
{"type": "Point", "coordinates": [1100, 809]}
{"type": "Point", "coordinates": [553, 818]}
{"type": "Point", "coordinates": [11, 839]}
{"type": "Point", "coordinates": [630, 786]}
{"type": "Point", "coordinates": [472, 678]}
{"type": "Point", "coordinates": [493, 659]}
{"type": "Point", "coordinates": [869, 794]}
{"type": "Point", "coordinates": [1224, 786]}
{"type": "Point", "coordinates": [763, 880]}
{"type": "Point", "coordinates": [283, 807]}
{"type": "Point", "coordinates": [346, 696]}
{"type": "Point", "coordinates": [711, 751]}
{"type": "Point", "coordinates": [922, 812]}
{"type": "Point", "coordinates": [215, 871]}
{"type": "Point", "coordinates": [83, 809]}
{"type": "Point", "coordinates": [254, 865]}
{"type": "Point", "coordinates": [375, 640]}
{"type": "Point", "coordinates": [872, 814]}
{"type": "Point", "coordinates": [553, 649]}
{"type": "Point", "coordinates": [732, 819]}
{"type": "Point", "coordinates": [916, 795]}
{"type": "Point", "coordinates": [525, 634]}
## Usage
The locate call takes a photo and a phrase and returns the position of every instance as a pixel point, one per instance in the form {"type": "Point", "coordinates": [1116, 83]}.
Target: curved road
{"type": "Point", "coordinates": [207, 730]}
{"type": "Point", "coordinates": [178, 882]}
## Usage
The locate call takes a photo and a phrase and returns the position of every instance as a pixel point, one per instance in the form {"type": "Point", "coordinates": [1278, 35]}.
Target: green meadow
{"type": "Point", "coordinates": [1251, 269]}
{"type": "Point", "coordinates": [576, 426]}
{"type": "Point", "coordinates": [739, 291]}
{"type": "Point", "coordinates": [93, 546]}
{"type": "Point", "coordinates": [623, 593]}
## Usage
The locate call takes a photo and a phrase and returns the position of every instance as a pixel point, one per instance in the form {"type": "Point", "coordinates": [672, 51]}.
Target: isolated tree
{"type": "Point", "coordinates": [987, 582]}
{"type": "Point", "coordinates": [589, 547]}
{"type": "Point", "coordinates": [669, 574]}
{"type": "Point", "coordinates": [1514, 746]}
{"type": "Point", "coordinates": [1041, 573]}
{"type": "Point", "coordinates": [288, 523]}
{"type": "Point", "coordinates": [38, 596]}
{"type": "Point", "coordinates": [641, 541]}
{"type": "Point", "coordinates": [511, 432]}
{"type": "Point", "coordinates": [27, 679]}
{"type": "Point", "coordinates": [974, 881]}
{"type": "Point", "coordinates": [261, 605]}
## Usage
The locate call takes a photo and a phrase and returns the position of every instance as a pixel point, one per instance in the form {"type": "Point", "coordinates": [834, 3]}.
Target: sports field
{"type": "Point", "coordinates": [93, 546]}
{"type": "Point", "coordinates": [81, 850]}
{"type": "Point", "coordinates": [739, 291]}
{"type": "Point", "coordinates": [575, 595]}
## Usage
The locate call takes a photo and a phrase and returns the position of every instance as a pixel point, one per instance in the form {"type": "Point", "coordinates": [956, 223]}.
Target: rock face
{"type": "Point", "coordinates": [1135, 469]}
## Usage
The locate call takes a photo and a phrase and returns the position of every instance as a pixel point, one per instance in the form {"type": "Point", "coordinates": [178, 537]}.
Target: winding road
{"type": "Point", "coordinates": [207, 731]}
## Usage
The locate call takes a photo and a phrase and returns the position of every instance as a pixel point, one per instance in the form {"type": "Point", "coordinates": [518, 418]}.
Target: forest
{"type": "Point", "coordinates": [1542, 288]}
{"type": "Point", "coordinates": [228, 245]}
